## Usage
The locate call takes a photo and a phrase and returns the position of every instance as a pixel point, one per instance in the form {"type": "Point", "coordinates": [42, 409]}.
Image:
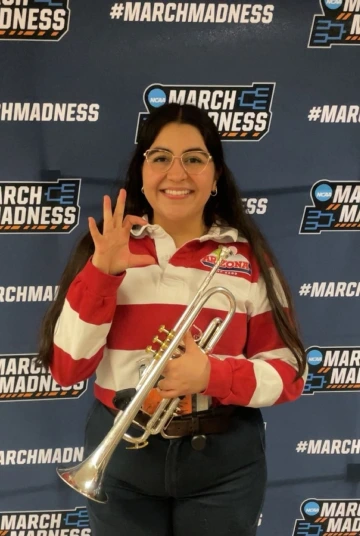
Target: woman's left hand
{"type": "Point", "coordinates": [187, 374]}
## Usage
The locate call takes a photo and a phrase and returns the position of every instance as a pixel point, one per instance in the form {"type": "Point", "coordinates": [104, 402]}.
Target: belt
{"type": "Point", "coordinates": [213, 421]}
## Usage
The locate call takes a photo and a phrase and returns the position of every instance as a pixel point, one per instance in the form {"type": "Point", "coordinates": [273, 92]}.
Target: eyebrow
{"type": "Point", "coordinates": [186, 150]}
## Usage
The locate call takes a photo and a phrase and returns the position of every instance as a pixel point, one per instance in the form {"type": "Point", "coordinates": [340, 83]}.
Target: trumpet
{"type": "Point", "coordinates": [86, 478]}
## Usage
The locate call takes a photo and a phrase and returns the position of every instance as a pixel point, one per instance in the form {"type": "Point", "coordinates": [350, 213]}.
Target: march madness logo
{"type": "Point", "coordinates": [34, 20]}
{"type": "Point", "coordinates": [192, 12]}
{"type": "Point", "coordinates": [39, 207]}
{"type": "Point", "coordinates": [21, 379]}
{"type": "Point", "coordinates": [339, 24]}
{"type": "Point", "coordinates": [236, 267]}
{"type": "Point", "coordinates": [338, 517]}
{"type": "Point", "coordinates": [45, 522]}
{"type": "Point", "coordinates": [241, 113]}
{"type": "Point", "coordinates": [336, 207]}
{"type": "Point", "coordinates": [332, 369]}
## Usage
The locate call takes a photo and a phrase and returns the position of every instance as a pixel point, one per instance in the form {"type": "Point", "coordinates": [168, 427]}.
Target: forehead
{"type": "Point", "coordinates": [179, 137]}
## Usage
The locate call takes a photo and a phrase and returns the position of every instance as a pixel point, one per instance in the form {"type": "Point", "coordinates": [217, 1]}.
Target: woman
{"type": "Point", "coordinates": [139, 268]}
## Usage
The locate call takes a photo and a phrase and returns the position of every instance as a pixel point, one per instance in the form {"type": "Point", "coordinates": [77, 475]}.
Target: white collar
{"type": "Point", "coordinates": [216, 232]}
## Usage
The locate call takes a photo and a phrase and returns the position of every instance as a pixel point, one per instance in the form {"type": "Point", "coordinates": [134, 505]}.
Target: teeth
{"type": "Point", "coordinates": [177, 192]}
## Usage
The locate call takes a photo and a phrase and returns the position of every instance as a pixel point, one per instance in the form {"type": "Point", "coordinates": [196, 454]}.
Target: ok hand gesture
{"type": "Point", "coordinates": [112, 254]}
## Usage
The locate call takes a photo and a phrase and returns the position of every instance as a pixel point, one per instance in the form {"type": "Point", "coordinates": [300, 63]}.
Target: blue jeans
{"type": "Point", "coordinates": [170, 489]}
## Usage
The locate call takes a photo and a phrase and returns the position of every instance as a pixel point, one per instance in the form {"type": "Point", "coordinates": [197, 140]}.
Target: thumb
{"type": "Point", "coordinates": [189, 340]}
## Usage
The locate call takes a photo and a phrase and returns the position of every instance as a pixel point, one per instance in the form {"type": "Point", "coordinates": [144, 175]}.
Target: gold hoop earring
{"type": "Point", "coordinates": [142, 190]}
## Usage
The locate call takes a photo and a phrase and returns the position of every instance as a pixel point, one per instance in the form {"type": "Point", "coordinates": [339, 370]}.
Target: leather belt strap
{"type": "Point", "coordinates": [213, 421]}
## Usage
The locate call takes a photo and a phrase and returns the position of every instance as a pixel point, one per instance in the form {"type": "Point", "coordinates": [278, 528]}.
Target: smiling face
{"type": "Point", "coordinates": [176, 194]}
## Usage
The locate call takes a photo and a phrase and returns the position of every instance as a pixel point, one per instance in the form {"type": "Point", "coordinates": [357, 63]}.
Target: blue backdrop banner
{"type": "Point", "coordinates": [281, 82]}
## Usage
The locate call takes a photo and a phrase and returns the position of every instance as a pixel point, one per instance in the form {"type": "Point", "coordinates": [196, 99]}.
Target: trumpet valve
{"type": "Point", "coordinates": [169, 333]}
{"type": "Point", "coordinates": [156, 339]}
{"type": "Point", "coordinates": [150, 350]}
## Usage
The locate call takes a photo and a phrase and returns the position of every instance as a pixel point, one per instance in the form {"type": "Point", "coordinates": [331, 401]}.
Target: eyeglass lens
{"type": "Point", "coordinates": [193, 161]}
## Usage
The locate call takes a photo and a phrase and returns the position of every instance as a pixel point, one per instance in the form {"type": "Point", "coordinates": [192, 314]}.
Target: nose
{"type": "Point", "coordinates": [176, 172]}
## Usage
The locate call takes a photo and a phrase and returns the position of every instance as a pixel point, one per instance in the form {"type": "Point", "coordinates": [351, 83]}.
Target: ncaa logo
{"type": "Point", "coordinates": [157, 97]}
{"type": "Point", "coordinates": [323, 192]}
{"type": "Point", "coordinates": [314, 357]}
{"type": "Point", "coordinates": [311, 508]}
{"type": "Point", "coordinates": [333, 4]}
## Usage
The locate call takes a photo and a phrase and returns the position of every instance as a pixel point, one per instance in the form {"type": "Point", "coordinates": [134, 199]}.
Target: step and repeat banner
{"type": "Point", "coordinates": [281, 81]}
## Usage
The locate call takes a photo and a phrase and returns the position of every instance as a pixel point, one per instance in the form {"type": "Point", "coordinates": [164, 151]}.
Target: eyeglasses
{"type": "Point", "coordinates": [194, 162]}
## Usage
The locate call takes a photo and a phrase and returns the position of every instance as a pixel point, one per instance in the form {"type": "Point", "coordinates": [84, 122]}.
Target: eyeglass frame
{"type": "Point", "coordinates": [173, 158]}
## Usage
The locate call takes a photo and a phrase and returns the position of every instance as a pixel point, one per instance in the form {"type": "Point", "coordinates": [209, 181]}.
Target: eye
{"type": "Point", "coordinates": [195, 158]}
{"type": "Point", "coordinates": [159, 157]}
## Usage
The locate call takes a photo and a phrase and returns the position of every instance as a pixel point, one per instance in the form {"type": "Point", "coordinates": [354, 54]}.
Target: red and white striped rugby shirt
{"type": "Point", "coordinates": [107, 321]}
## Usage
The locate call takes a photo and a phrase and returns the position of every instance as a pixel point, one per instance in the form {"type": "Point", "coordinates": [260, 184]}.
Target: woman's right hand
{"type": "Point", "coordinates": [112, 254]}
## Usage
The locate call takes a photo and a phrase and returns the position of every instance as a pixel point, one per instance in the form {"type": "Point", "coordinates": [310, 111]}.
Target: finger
{"type": "Point", "coordinates": [130, 220]}
{"type": "Point", "coordinates": [169, 367]}
{"type": "Point", "coordinates": [165, 384]}
{"type": "Point", "coordinates": [169, 394]}
{"type": "Point", "coordinates": [94, 231]}
{"type": "Point", "coordinates": [108, 218]}
{"type": "Point", "coordinates": [119, 208]}
{"type": "Point", "coordinates": [138, 220]}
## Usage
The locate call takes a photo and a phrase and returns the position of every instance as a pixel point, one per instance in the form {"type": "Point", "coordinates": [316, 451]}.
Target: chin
{"type": "Point", "coordinates": [178, 216]}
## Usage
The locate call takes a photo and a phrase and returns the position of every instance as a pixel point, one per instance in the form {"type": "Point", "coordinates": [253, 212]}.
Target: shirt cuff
{"type": "Point", "coordinates": [100, 283]}
{"type": "Point", "coordinates": [220, 380]}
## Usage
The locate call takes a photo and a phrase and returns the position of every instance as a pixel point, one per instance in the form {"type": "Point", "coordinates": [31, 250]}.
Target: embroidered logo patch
{"type": "Point", "coordinates": [236, 265]}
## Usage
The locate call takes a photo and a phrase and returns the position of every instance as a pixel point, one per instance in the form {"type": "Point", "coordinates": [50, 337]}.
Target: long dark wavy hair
{"type": "Point", "coordinates": [217, 208]}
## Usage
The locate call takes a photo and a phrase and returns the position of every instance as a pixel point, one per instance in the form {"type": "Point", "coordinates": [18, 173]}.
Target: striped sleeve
{"type": "Point", "coordinates": [266, 376]}
{"type": "Point", "coordinates": [83, 325]}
